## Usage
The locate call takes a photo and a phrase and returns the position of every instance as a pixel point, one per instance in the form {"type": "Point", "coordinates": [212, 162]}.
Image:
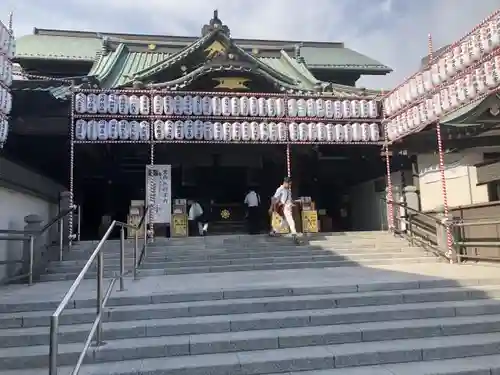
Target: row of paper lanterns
{"type": "Point", "coordinates": [466, 53]}
{"type": "Point", "coordinates": [244, 106]}
{"type": "Point", "coordinates": [103, 130]}
{"type": "Point", "coordinates": [7, 46]}
{"type": "Point", "coordinates": [448, 99]}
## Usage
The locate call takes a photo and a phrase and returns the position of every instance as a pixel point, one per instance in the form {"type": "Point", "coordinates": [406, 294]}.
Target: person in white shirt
{"type": "Point", "coordinates": [282, 204]}
{"type": "Point", "coordinates": [252, 201]}
{"type": "Point", "coordinates": [195, 218]}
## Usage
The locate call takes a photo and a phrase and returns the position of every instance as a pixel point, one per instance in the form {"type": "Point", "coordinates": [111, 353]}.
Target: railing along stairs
{"type": "Point", "coordinates": [101, 295]}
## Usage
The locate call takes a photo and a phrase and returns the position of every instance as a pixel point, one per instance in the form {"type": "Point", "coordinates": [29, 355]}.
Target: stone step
{"type": "Point", "coordinates": [202, 316]}
{"type": "Point", "coordinates": [175, 263]}
{"type": "Point", "coordinates": [250, 267]}
{"type": "Point", "coordinates": [306, 337]}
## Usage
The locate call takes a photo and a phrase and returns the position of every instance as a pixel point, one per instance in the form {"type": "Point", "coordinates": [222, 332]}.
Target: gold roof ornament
{"type": "Point", "coordinates": [215, 49]}
{"type": "Point", "coordinates": [232, 83]}
{"type": "Point", "coordinates": [151, 47]}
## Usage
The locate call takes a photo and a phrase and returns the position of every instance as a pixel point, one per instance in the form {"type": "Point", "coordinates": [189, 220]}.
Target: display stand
{"type": "Point", "coordinates": [136, 211]}
{"type": "Point", "coordinates": [309, 215]}
{"type": "Point", "coordinates": [179, 227]}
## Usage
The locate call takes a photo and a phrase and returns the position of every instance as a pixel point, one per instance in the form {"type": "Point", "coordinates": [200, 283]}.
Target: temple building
{"type": "Point", "coordinates": [344, 180]}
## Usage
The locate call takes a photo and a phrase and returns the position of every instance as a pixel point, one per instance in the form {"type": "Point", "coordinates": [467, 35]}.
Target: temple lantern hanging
{"type": "Point", "coordinates": [123, 130]}
{"type": "Point", "coordinates": [442, 64]}
{"type": "Point", "coordinates": [262, 106]}
{"type": "Point", "coordinates": [218, 131]}
{"type": "Point", "coordinates": [188, 130]}
{"type": "Point", "coordinates": [254, 131]}
{"type": "Point", "coordinates": [312, 132]}
{"type": "Point", "coordinates": [460, 88]}
{"type": "Point", "coordinates": [427, 78]}
{"type": "Point", "coordinates": [282, 131]}
{"type": "Point", "coordinates": [474, 43]}
{"type": "Point", "coordinates": [365, 132]}
{"type": "Point", "coordinates": [374, 132]}
{"type": "Point", "coordinates": [208, 131]}
{"type": "Point", "coordinates": [280, 107]}
{"type": "Point", "coordinates": [113, 104]}
{"type": "Point", "coordinates": [198, 130]}
{"type": "Point", "coordinates": [337, 109]}
{"type": "Point", "coordinates": [485, 38]}
{"type": "Point", "coordinates": [452, 95]}
{"type": "Point", "coordinates": [226, 106]}
{"type": "Point", "coordinates": [197, 106]}
{"type": "Point", "coordinates": [159, 130]}
{"type": "Point", "coordinates": [303, 132]}
{"type": "Point", "coordinates": [364, 110]}
{"type": "Point", "coordinates": [355, 109]}
{"type": "Point", "coordinates": [469, 86]}
{"type": "Point", "coordinates": [445, 99]}
{"type": "Point", "coordinates": [413, 88]}
{"type": "Point", "coordinates": [495, 32]}
{"type": "Point", "coordinates": [254, 106]}
{"type": "Point", "coordinates": [169, 130]}
{"type": "Point", "coordinates": [421, 114]}
{"type": "Point", "coordinates": [273, 132]}
{"type": "Point", "coordinates": [292, 107]}
{"type": "Point", "coordinates": [271, 107]}
{"type": "Point", "coordinates": [329, 109]}
{"type": "Point", "coordinates": [92, 103]}
{"type": "Point", "coordinates": [168, 105]}
{"type": "Point", "coordinates": [113, 133]}
{"type": "Point", "coordinates": [135, 130]}
{"type": "Point", "coordinates": [179, 130]}
{"type": "Point", "coordinates": [491, 77]}
{"type": "Point", "coordinates": [236, 131]}
{"type": "Point", "coordinates": [235, 106]}
{"type": "Point", "coordinates": [480, 77]}
{"type": "Point", "coordinates": [388, 106]}
{"type": "Point", "coordinates": [216, 107]}
{"type": "Point", "coordinates": [144, 105]}
{"type": "Point", "coordinates": [206, 105]}
{"type": "Point", "coordinates": [187, 108]}
{"type": "Point", "coordinates": [244, 106]}
{"type": "Point", "coordinates": [311, 107]}
{"type": "Point", "coordinates": [322, 135]}
{"type": "Point", "coordinates": [356, 132]}
{"type": "Point", "coordinates": [436, 100]}
{"type": "Point", "coordinates": [92, 130]}
{"type": "Point", "coordinates": [144, 131]}
{"type": "Point", "coordinates": [436, 77]}
{"type": "Point", "coordinates": [347, 132]}
{"type": "Point", "coordinates": [451, 69]}
{"type": "Point", "coordinates": [301, 108]}
{"type": "Point", "coordinates": [245, 131]}
{"type": "Point", "coordinates": [320, 108]}
{"type": "Point", "coordinates": [226, 131]}
{"type": "Point", "coordinates": [339, 133]}
{"type": "Point", "coordinates": [133, 105]}
{"type": "Point", "coordinates": [80, 103]}
{"type": "Point", "coordinates": [346, 109]}
{"type": "Point", "coordinates": [458, 58]}
{"type": "Point", "coordinates": [80, 130]}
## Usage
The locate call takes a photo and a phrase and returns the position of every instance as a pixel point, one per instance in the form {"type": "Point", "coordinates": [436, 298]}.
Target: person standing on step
{"type": "Point", "coordinates": [195, 218]}
{"type": "Point", "coordinates": [252, 201]}
{"type": "Point", "coordinates": [282, 204]}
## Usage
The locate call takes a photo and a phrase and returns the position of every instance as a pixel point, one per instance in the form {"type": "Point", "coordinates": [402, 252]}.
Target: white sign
{"type": "Point", "coordinates": [159, 193]}
{"type": "Point", "coordinates": [6, 54]}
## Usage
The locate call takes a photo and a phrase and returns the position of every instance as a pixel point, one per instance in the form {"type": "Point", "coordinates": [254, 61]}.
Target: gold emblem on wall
{"type": "Point", "coordinates": [232, 83]}
{"type": "Point", "coordinates": [215, 49]}
{"type": "Point", "coordinates": [225, 214]}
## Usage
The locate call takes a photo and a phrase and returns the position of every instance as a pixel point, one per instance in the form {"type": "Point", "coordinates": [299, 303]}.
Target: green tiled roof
{"type": "Point", "coordinates": [340, 58]}
{"type": "Point", "coordinates": [56, 89]}
{"type": "Point", "coordinates": [57, 47]}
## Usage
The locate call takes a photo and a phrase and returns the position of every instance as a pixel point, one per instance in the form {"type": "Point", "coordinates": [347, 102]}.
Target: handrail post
{"type": "Point", "coordinates": [100, 282]}
{"type": "Point", "coordinates": [32, 259]}
{"type": "Point", "coordinates": [122, 258]}
{"type": "Point", "coordinates": [410, 228]}
{"type": "Point", "coordinates": [61, 239]}
{"type": "Point", "coordinates": [136, 249]}
{"type": "Point", "coordinates": [53, 347]}
{"type": "Point", "coordinates": [79, 223]}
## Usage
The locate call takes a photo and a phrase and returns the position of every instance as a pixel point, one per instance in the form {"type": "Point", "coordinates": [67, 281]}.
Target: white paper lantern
{"type": "Point", "coordinates": [102, 130]}
{"type": "Point", "coordinates": [178, 105]}
{"type": "Point", "coordinates": [188, 130]}
{"type": "Point", "coordinates": [280, 107]}
{"type": "Point", "coordinates": [436, 77]}
{"type": "Point", "coordinates": [216, 107]}
{"type": "Point", "coordinates": [374, 132]}
{"type": "Point", "coordinates": [292, 107]}
{"type": "Point", "coordinates": [457, 57]}
{"type": "Point", "coordinates": [102, 103]}
{"type": "Point", "coordinates": [339, 133]}
{"type": "Point", "coordinates": [4, 131]}
{"type": "Point", "coordinates": [422, 113]}
{"type": "Point", "coordinates": [301, 108]}
{"type": "Point", "coordinates": [485, 38]}
{"type": "Point", "coordinates": [330, 132]}
{"type": "Point", "coordinates": [413, 88]}
{"type": "Point", "coordinates": [80, 130]}
{"type": "Point", "coordinates": [133, 105]}
{"type": "Point", "coordinates": [113, 132]}
{"type": "Point", "coordinates": [365, 132]}
{"type": "Point", "coordinates": [123, 130]}
{"type": "Point", "coordinates": [262, 106]}
{"type": "Point", "coordinates": [392, 130]}
{"type": "Point", "coordinates": [412, 115]}
{"type": "Point", "coordinates": [197, 106]}
{"type": "Point", "coordinates": [465, 53]}
{"type": "Point", "coordinates": [92, 103]}
{"type": "Point", "coordinates": [491, 76]}
{"type": "Point", "coordinates": [497, 64]}
{"type": "Point", "coordinates": [254, 106]}
{"type": "Point", "coordinates": [169, 133]}
{"type": "Point", "coordinates": [355, 109]}
{"type": "Point", "coordinates": [348, 136]}
{"type": "Point", "coordinates": [206, 104]}
{"type": "Point", "coordinates": [208, 131]}
{"type": "Point", "coordinates": [144, 105]}
{"type": "Point", "coordinates": [445, 100]}
{"type": "Point", "coordinates": [135, 130]}
{"type": "Point", "coordinates": [227, 132]}
{"type": "Point", "coordinates": [178, 130]}
{"type": "Point", "coordinates": [480, 77]}
{"type": "Point", "coordinates": [429, 107]}
{"type": "Point", "coordinates": [80, 103]}
{"type": "Point", "coordinates": [474, 43]}
{"type": "Point", "coordinates": [452, 95]}
{"type": "Point", "coordinates": [236, 131]}
{"type": "Point", "coordinates": [401, 128]}
{"type": "Point", "coordinates": [158, 105]}
{"type": "Point", "coordinates": [271, 107]}
{"type": "Point", "coordinates": [311, 107]}
{"type": "Point", "coordinates": [470, 86]}
{"type": "Point", "coordinates": [282, 132]}
{"type": "Point", "coordinates": [293, 128]}
{"type": "Point", "coordinates": [7, 102]}
{"type": "Point", "coordinates": [312, 132]}
{"type": "Point", "coordinates": [427, 79]}
{"type": "Point", "coordinates": [254, 131]}
{"type": "Point", "coordinates": [273, 132]}
{"type": "Point", "coordinates": [321, 133]}
{"type": "Point", "coordinates": [92, 130]}
{"type": "Point", "coordinates": [168, 105]}
{"type": "Point", "coordinates": [159, 130]}
{"type": "Point", "coordinates": [226, 106]}
{"type": "Point", "coordinates": [112, 104]}
{"type": "Point", "coordinates": [363, 109]}
{"type": "Point", "coordinates": [346, 109]}
{"type": "Point", "coordinates": [387, 108]}
{"type": "Point", "coordinates": [442, 63]}
{"type": "Point", "coordinates": [218, 131]}
{"type": "Point", "coordinates": [144, 131]}
{"type": "Point", "coordinates": [198, 129]}
{"type": "Point", "coordinates": [495, 32]}
{"type": "Point", "coordinates": [329, 110]}
{"type": "Point", "coordinates": [235, 106]}
{"type": "Point", "coordinates": [245, 132]}
{"type": "Point", "coordinates": [436, 101]}
{"type": "Point", "coordinates": [320, 108]}
{"type": "Point", "coordinates": [356, 132]}
{"type": "Point", "coordinates": [403, 121]}
{"type": "Point", "coordinates": [407, 93]}
{"type": "Point", "coordinates": [303, 132]}
{"type": "Point", "coordinates": [461, 93]}
{"type": "Point", "coordinates": [244, 106]}
{"type": "Point", "coordinates": [451, 68]}
{"type": "Point", "coordinates": [187, 107]}
{"type": "Point", "coordinates": [264, 132]}
{"type": "Point", "coordinates": [337, 109]}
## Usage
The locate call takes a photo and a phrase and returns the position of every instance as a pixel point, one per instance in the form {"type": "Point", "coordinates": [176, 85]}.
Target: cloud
{"type": "Point", "coordinates": [391, 31]}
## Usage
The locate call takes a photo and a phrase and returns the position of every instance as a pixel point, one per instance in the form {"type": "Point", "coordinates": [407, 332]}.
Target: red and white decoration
{"type": "Point", "coordinates": [7, 49]}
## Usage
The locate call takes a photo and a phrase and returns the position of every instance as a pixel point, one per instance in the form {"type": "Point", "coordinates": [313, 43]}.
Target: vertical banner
{"type": "Point", "coordinates": [159, 192]}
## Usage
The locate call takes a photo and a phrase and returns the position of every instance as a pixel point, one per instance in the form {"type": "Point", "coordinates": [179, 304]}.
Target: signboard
{"type": "Point", "coordinates": [179, 227]}
{"type": "Point", "coordinates": [279, 225]}
{"type": "Point", "coordinates": [6, 54]}
{"type": "Point", "coordinates": [309, 221]}
{"type": "Point", "coordinates": [159, 193]}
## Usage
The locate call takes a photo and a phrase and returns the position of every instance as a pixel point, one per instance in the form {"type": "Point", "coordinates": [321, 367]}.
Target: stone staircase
{"type": "Point", "coordinates": [350, 304]}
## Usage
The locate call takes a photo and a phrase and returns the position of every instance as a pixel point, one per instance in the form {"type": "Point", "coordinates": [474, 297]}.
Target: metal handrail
{"type": "Point", "coordinates": [101, 297]}
{"type": "Point", "coordinates": [27, 235]}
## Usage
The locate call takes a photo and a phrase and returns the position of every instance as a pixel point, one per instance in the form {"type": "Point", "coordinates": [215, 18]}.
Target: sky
{"type": "Point", "coordinates": [393, 32]}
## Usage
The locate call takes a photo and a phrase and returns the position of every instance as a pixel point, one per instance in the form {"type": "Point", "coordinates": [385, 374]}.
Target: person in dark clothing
{"type": "Point", "coordinates": [252, 201]}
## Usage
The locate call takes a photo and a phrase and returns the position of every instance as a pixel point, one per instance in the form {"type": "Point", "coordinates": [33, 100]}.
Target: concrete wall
{"type": "Point", "coordinates": [23, 192]}
{"type": "Point", "coordinates": [461, 180]}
